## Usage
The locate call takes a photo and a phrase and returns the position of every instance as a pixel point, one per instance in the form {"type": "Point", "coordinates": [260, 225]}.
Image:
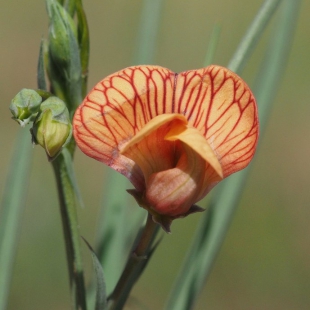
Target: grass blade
{"type": "Point", "coordinates": [147, 33]}
{"type": "Point", "coordinates": [215, 223]}
{"type": "Point", "coordinates": [215, 36]}
{"type": "Point", "coordinates": [11, 210]}
{"type": "Point", "coordinates": [275, 60]}
{"type": "Point", "coordinates": [253, 34]}
{"type": "Point", "coordinates": [40, 69]}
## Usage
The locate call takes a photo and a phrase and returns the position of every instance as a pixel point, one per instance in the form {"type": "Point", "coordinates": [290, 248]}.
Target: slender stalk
{"type": "Point", "coordinates": [134, 264]}
{"type": "Point", "coordinates": [11, 211]}
{"type": "Point", "coordinates": [213, 42]}
{"type": "Point", "coordinates": [148, 31]}
{"type": "Point", "coordinates": [71, 231]}
{"type": "Point", "coordinates": [250, 39]}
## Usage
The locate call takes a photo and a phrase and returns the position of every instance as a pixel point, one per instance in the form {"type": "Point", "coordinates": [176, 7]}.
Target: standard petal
{"type": "Point", "coordinates": [222, 107]}
{"type": "Point", "coordinates": [116, 109]}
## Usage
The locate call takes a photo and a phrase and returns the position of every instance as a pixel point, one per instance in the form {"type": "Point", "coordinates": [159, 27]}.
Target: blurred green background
{"type": "Point", "coordinates": [264, 263]}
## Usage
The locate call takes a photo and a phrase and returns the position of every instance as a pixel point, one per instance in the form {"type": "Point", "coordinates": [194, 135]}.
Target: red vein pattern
{"type": "Point", "coordinates": [214, 100]}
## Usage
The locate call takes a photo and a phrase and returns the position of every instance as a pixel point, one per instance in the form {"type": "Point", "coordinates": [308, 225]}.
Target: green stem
{"type": "Point", "coordinates": [250, 39]}
{"type": "Point", "coordinates": [12, 206]}
{"type": "Point", "coordinates": [83, 38]}
{"type": "Point", "coordinates": [71, 231]}
{"type": "Point", "coordinates": [134, 264]}
{"type": "Point", "coordinates": [148, 32]}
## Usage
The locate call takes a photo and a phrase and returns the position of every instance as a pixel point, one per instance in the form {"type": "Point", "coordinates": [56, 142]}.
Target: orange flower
{"type": "Point", "coordinates": [174, 136]}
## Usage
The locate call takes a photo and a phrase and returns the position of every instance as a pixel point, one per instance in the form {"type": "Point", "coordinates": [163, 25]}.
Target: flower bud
{"type": "Point", "coordinates": [25, 106]}
{"type": "Point", "coordinates": [61, 31]}
{"type": "Point", "coordinates": [52, 128]}
{"type": "Point", "coordinates": [63, 61]}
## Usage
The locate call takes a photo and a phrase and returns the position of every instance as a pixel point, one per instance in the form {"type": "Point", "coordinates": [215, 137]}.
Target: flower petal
{"type": "Point", "coordinates": [116, 109]}
{"type": "Point", "coordinates": [148, 148]}
{"type": "Point", "coordinates": [151, 126]}
{"type": "Point", "coordinates": [178, 164]}
{"type": "Point", "coordinates": [172, 192]}
{"type": "Point", "coordinates": [195, 140]}
{"type": "Point", "coordinates": [214, 100]}
{"type": "Point", "coordinates": [222, 107]}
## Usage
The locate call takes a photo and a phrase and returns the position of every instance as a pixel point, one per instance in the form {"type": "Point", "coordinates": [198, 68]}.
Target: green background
{"type": "Point", "coordinates": [264, 263]}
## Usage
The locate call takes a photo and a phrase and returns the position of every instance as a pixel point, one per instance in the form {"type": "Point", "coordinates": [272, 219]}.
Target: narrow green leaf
{"type": "Point", "coordinates": [275, 59]}
{"type": "Point", "coordinates": [40, 70]}
{"type": "Point", "coordinates": [83, 38]}
{"type": "Point", "coordinates": [214, 225]}
{"type": "Point", "coordinates": [215, 36]}
{"type": "Point", "coordinates": [14, 197]}
{"type": "Point", "coordinates": [249, 41]}
{"type": "Point", "coordinates": [147, 33]}
{"type": "Point", "coordinates": [71, 174]}
{"type": "Point", "coordinates": [101, 294]}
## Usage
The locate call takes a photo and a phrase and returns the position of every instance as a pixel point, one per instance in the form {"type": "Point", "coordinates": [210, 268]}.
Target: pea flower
{"type": "Point", "coordinates": [174, 136]}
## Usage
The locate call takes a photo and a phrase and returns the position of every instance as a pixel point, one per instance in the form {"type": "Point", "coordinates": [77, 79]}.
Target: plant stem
{"type": "Point", "coordinates": [134, 265]}
{"type": "Point", "coordinates": [71, 231]}
{"type": "Point", "coordinates": [12, 205]}
{"type": "Point", "coordinates": [250, 39]}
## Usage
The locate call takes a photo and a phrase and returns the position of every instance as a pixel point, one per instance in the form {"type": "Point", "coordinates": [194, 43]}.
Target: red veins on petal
{"type": "Point", "coordinates": [118, 107]}
{"type": "Point", "coordinates": [222, 107]}
{"type": "Point", "coordinates": [213, 100]}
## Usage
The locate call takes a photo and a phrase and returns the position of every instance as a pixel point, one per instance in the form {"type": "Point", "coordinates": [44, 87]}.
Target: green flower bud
{"type": "Point", "coordinates": [25, 106]}
{"type": "Point", "coordinates": [63, 56]}
{"type": "Point", "coordinates": [52, 127]}
{"type": "Point", "coordinates": [62, 31]}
